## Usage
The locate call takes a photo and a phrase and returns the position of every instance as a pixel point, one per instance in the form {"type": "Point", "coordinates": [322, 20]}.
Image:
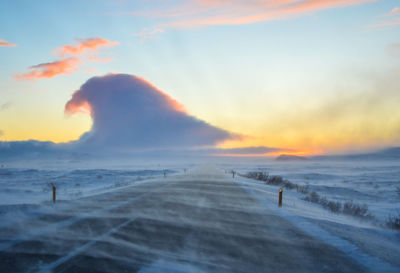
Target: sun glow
{"type": "Point", "coordinates": [296, 152]}
{"type": "Point", "coordinates": [271, 154]}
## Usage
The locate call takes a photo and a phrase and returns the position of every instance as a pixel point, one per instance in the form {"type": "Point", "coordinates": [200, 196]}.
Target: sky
{"type": "Point", "coordinates": [297, 76]}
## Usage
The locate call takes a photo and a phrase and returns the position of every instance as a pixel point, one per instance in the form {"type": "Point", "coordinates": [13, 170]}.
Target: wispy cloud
{"type": "Point", "coordinates": [393, 19]}
{"type": "Point", "coordinates": [99, 59]}
{"type": "Point", "coordinates": [394, 12]}
{"type": "Point", "coordinates": [76, 56]}
{"type": "Point", "coordinates": [5, 43]}
{"type": "Point", "coordinates": [147, 33]}
{"type": "Point", "coordinates": [49, 70]}
{"type": "Point", "coordinates": [202, 13]}
{"type": "Point", "coordinates": [389, 23]}
{"type": "Point", "coordinates": [84, 45]}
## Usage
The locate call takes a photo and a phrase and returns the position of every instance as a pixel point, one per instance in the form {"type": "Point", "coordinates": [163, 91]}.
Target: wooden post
{"type": "Point", "coordinates": [280, 197]}
{"type": "Point", "coordinates": [54, 193]}
{"type": "Point", "coordinates": [233, 174]}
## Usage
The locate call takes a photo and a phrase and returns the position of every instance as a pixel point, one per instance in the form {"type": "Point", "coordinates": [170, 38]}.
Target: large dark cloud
{"type": "Point", "coordinates": [129, 112]}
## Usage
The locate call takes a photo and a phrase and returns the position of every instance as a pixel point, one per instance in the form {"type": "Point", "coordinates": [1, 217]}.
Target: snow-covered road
{"type": "Point", "coordinates": [199, 222]}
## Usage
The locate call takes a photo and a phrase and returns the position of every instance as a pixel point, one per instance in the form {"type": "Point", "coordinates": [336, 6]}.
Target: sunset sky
{"type": "Point", "coordinates": [317, 76]}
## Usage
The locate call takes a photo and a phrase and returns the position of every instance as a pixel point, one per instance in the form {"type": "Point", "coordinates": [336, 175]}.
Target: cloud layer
{"type": "Point", "coordinates": [129, 112]}
{"type": "Point", "coordinates": [200, 13]}
{"type": "Point", "coordinates": [392, 19]}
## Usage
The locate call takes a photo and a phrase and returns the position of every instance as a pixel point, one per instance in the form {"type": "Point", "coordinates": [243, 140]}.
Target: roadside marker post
{"type": "Point", "coordinates": [280, 197]}
{"type": "Point", "coordinates": [54, 193]}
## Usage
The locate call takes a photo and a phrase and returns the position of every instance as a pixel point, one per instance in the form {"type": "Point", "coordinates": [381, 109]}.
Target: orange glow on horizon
{"type": "Point", "coordinates": [271, 154]}
{"type": "Point", "coordinates": [298, 153]}
{"type": "Point", "coordinates": [248, 141]}
{"type": "Point", "coordinates": [240, 155]}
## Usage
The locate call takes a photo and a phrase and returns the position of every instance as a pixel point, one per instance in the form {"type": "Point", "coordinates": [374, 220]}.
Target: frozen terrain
{"type": "Point", "coordinates": [373, 183]}
{"type": "Point", "coordinates": [19, 185]}
{"type": "Point", "coordinates": [130, 218]}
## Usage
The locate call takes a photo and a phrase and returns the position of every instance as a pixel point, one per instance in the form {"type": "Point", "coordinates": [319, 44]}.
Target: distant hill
{"type": "Point", "coordinates": [391, 152]}
{"type": "Point", "coordinates": [386, 154]}
{"type": "Point", "coordinates": [285, 157]}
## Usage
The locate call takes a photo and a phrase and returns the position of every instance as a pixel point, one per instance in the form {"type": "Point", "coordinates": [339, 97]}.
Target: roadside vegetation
{"type": "Point", "coordinates": [393, 222]}
{"type": "Point", "coordinates": [349, 207]}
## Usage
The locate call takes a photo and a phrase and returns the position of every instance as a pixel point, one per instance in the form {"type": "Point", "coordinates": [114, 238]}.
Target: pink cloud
{"type": "Point", "coordinates": [84, 45]}
{"type": "Point", "coordinates": [49, 70]}
{"type": "Point", "coordinates": [146, 33]}
{"type": "Point", "coordinates": [393, 12]}
{"type": "Point", "coordinates": [394, 21]}
{"type": "Point", "coordinates": [99, 59]}
{"type": "Point", "coordinates": [68, 65]}
{"type": "Point", "coordinates": [5, 43]}
{"type": "Point", "coordinates": [201, 13]}
{"type": "Point", "coordinates": [390, 23]}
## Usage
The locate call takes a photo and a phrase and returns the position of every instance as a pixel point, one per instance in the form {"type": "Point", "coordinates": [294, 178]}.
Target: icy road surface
{"type": "Point", "coordinates": [200, 222]}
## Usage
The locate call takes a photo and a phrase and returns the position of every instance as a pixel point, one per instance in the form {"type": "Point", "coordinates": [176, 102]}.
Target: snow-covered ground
{"type": "Point", "coordinates": [25, 193]}
{"type": "Point", "coordinates": [31, 182]}
{"type": "Point", "coordinates": [375, 247]}
{"type": "Point", "coordinates": [373, 183]}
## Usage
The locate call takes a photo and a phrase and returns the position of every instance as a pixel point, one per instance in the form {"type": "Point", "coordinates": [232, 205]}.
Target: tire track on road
{"type": "Point", "coordinates": [73, 220]}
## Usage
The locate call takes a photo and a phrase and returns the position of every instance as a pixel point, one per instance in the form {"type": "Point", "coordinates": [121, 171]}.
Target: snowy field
{"type": "Point", "coordinates": [373, 183]}
{"type": "Point", "coordinates": [364, 182]}
{"type": "Point", "coordinates": [33, 184]}
{"type": "Point", "coordinates": [25, 195]}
